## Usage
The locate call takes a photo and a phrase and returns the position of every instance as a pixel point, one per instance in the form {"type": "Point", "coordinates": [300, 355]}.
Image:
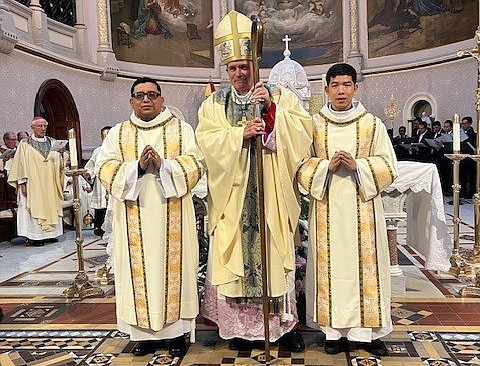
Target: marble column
{"type": "Point", "coordinates": [82, 33]}
{"type": "Point", "coordinates": [105, 55]}
{"type": "Point", "coordinates": [355, 57]}
{"type": "Point", "coordinates": [39, 25]}
{"type": "Point", "coordinates": [395, 269]}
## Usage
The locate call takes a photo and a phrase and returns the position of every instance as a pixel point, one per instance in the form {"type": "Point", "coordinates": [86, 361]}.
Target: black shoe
{"type": "Point", "coordinates": [239, 344]}
{"type": "Point", "coordinates": [293, 341]}
{"type": "Point", "coordinates": [178, 347]}
{"type": "Point", "coordinates": [377, 347]}
{"type": "Point", "coordinates": [98, 232]}
{"type": "Point", "coordinates": [36, 243]}
{"type": "Point", "coordinates": [333, 347]}
{"type": "Point", "coordinates": [146, 347]}
{"type": "Point", "coordinates": [51, 240]}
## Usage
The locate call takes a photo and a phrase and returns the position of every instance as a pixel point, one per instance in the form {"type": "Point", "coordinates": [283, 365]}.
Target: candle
{"type": "Point", "coordinates": [72, 142]}
{"type": "Point", "coordinates": [456, 134]}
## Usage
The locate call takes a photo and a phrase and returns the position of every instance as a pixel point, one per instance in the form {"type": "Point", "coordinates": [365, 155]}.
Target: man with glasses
{"type": "Point", "coordinates": [149, 165]}
{"type": "Point", "coordinates": [37, 174]}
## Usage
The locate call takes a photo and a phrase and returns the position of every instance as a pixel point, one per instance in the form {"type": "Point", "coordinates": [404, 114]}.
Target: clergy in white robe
{"type": "Point", "coordinates": [37, 174]}
{"type": "Point", "coordinates": [226, 132]}
{"type": "Point", "coordinates": [149, 164]}
{"type": "Point", "coordinates": [348, 265]}
{"type": "Point", "coordinates": [99, 196]}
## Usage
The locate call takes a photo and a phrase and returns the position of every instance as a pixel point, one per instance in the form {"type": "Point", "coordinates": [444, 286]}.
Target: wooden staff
{"type": "Point", "coordinates": [257, 44]}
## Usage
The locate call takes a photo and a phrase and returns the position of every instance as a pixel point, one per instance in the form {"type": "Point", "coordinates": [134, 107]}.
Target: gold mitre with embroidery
{"type": "Point", "coordinates": [233, 37]}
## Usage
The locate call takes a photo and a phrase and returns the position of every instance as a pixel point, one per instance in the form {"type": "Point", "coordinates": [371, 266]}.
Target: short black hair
{"type": "Point", "coordinates": [144, 80]}
{"type": "Point", "coordinates": [449, 121]}
{"type": "Point", "coordinates": [402, 128]}
{"type": "Point", "coordinates": [423, 123]}
{"type": "Point", "coordinates": [107, 128]}
{"type": "Point", "coordinates": [341, 69]}
{"type": "Point", "coordinates": [436, 123]}
{"type": "Point", "coordinates": [469, 119]}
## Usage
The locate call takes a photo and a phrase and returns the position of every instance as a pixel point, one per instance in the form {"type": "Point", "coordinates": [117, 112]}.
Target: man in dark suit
{"type": "Point", "coordinates": [398, 142]}
{"type": "Point", "coordinates": [420, 148]}
{"type": "Point", "coordinates": [468, 167]}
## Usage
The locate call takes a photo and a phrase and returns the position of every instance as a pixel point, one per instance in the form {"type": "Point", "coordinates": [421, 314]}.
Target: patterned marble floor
{"type": "Point", "coordinates": [433, 325]}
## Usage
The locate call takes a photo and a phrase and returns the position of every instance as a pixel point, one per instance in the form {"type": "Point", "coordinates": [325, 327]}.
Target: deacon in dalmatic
{"type": "Point", "coordinates": [348, 266]}
{"type": "Point", "coordinates": [149, 165]}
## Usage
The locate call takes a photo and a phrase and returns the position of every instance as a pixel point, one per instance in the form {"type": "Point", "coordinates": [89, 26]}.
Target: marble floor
{"type": "Point", "coordinates": [433, 324]}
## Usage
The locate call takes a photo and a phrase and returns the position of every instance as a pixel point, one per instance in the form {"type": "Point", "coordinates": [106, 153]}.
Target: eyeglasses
{"type": "Point", "coordinates": [150, 95]}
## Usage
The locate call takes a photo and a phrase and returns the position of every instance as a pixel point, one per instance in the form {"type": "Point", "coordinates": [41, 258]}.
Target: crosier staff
{"type": "Point", "coordinates": [257, 44]}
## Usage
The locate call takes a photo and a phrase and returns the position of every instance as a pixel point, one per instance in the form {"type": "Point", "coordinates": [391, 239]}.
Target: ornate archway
{"type": "Point", "coordinates": [55, 103]}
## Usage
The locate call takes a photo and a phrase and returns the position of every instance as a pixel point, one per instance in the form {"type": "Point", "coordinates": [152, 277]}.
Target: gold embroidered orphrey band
{"type": "Point", "coordinates": [172, 148]}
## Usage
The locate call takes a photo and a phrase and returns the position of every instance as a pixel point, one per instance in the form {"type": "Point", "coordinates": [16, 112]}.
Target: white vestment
{"type": "Point", "coordinates": [348, 266]}
{"type": "Point", "coordinates": [156, 249]}
{"type": "Point", "coordinates": [40, 212]}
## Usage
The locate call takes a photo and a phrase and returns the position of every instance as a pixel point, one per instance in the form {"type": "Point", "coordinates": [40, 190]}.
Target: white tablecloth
{"type": "Point", "coordinates": [427, 230]}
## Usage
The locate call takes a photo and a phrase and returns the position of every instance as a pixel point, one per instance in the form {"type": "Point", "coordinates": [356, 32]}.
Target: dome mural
{"type": "Point", "coordinates": [314, 26]}
{"type": "Point", "coordinates": [163, 32]}
{"type": "Point", "coordinates": [398, 26]}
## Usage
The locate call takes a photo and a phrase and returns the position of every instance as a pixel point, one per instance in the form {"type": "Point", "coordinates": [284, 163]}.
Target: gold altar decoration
{"type": "Point", "coordinates": [391, 110]}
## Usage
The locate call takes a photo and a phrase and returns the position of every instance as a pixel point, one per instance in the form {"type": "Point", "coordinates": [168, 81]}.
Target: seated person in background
{"type": "Point", "coordinates": [420, 149]}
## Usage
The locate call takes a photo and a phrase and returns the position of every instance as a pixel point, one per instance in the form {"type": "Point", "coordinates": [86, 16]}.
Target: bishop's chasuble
{"type": "Point", "coordinates": [348, 267]}
{"type": "Point", "coordinates": [39, 214]}
{"type": "Point", "coordinates": [234, 261]}
{"type": "Point", "coordinates": [154, 228]}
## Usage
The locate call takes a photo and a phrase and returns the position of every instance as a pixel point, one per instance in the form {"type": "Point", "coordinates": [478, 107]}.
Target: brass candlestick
{"type": "Point", "coordinates": [103, 275]}
{"type": "Point", "coordinates": [474, 290]}
{"type": "Point", "coordinates": [81, 286]}
{"type": "Point", "coordinates": [459, 266]}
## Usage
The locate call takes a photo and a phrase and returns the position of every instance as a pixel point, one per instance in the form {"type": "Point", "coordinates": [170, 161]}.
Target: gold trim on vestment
{"type": "Point", "coordinates": [370, 309]}
{"type": "Point", "coordinates": [365, 137]}
{"type": "Point", "coordinates": [172, 146]}
{"type": "Point", "coordinates": [107, 173]}
{"type": "Point", "coordinates": [320, 140]}
{"type": "Point", "coordinates": [307, 172]}
{"type": "Point", "coordinates": [369, 283]}
{"type": "Point", "coordinates": [327, 120]}
{"type": "Point", "coordinates": [129, 151]}
{"type": "Point", "coordinates": [192, 171]}
{"type": "Point", "coordinates": [322, 217]}
{"type": "Point", "coordinates": [381, 171]}
{"type": "Point", "coordinates": [324, 288]}
{"type": "Point", "coordinates": [143, 128]}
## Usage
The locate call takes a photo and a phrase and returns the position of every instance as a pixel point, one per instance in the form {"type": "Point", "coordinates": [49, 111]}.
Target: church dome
{"type": "Point", "coordinates": [290, 74]}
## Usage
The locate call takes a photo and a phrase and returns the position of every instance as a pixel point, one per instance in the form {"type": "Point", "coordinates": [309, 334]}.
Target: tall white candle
{"type": "Point", "coordinates": [72, 142]}
{"type": "Point", "coordinates": [456, 133]}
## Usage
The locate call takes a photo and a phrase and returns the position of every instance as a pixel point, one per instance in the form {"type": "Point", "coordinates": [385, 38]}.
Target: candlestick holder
{"type": "Point", "coordinates": [459, 267]}
{"type": "Point", "coordinates": [81, 286]}
{"type": "Point", "coordinates": [475, 254]}
{"type": "Point", "coordinates": [103, 275]}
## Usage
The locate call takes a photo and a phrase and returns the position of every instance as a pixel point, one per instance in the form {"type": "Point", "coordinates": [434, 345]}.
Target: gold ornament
{"type": "Point", "coordinates": [88, 219]}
